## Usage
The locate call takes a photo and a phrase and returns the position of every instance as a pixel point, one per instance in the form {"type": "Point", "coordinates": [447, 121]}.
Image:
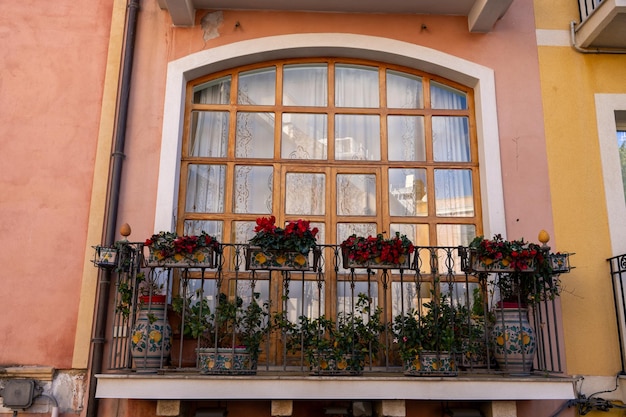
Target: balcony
{"type": "Point", "coordinates": [437, 279]}
{"type": "Point", "coordinates": [481, 14]}
{"type": "Point", "coordinates": [603, 24]}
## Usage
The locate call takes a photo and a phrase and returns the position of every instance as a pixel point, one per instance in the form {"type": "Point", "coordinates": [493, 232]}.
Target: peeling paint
{"type": "Point", "coordinates": [210, 23]}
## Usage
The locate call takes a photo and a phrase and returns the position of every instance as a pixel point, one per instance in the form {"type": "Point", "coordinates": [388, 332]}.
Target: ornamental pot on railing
{"type": "Point", "coordinates": [514, 339]}
{"type": "Point", "coordinates": [203, 257]}
{"type": "Point", "coordinates": [282, 260]}
{"type": "Point", "coordinates": [332, 363]}
{"type": "Point", "coordinates": [151, 335]}
{"type": "Point", "coordinates": [230, 361]}
{"type": "Point", "coordinates": [478, 264]}
{"type": "Point", "coordinates": [374, 262]}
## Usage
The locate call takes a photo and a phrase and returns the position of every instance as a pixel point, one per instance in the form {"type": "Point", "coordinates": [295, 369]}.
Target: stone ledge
{"type": "Point", "coordinates": [40, 373]}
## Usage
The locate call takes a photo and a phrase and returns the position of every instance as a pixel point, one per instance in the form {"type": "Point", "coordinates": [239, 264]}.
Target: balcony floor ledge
{"type": "Point", "coordinates": [268, 386]}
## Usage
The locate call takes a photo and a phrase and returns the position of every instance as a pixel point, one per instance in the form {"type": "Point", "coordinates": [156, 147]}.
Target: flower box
{"type": "Point", "coordinates": [374, 263]}
{"type": "Point", "coordinates": [431, 364]}
{"type": "Point", "coordinates": [200, 258]}
{"type": "Point", "coordinates": [231, 361]}
{"type": "Point", "coordinates": [559, 262]}
{"type": "Point", "coordinates": [258, 258]}
{"type": "Point", "coordinates": [325, 363]}
{"type": "Point", "coordinates": [105, 257]}
{"type": "Point", "coordinates": [499, 266]}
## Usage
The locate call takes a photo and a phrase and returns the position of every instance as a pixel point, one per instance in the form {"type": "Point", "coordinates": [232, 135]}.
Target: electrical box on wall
{"type": "Point", "coordinates": [18, 394]}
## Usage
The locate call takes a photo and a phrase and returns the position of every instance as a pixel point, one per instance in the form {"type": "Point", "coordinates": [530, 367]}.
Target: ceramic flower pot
{"type": "Point", "coordinates": [151, 335]}
{"type": "Point", "coordinates": [258, 258]}
{"type": "Point", "coordinates": [502, 265]}
{"type": "Point", "coordinates": [374, 263]}
{"type": "Point", "coordinates": [431, 364]}
{"type": "Point", "coordinates": [329, 363]}
{"type": "Point", "coordinates": [233, 361]}
{"type": "Point", "coordinates": [201, 258]}
{"type": "Point", "coordinates": [514, 341]}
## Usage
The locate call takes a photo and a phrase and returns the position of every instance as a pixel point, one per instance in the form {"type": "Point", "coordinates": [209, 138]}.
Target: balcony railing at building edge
{"type": "Point", "coordinates": [436, 280]}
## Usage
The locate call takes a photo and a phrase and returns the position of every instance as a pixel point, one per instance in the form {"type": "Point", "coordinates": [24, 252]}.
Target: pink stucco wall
{"type": "Point", "coordinates": [52, 65]}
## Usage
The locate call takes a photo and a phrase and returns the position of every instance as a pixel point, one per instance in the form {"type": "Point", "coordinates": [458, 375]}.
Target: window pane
{"type": "Point", "coordinates": [304, 136]}
{"type": "Point", "coordinates": [451, 139]}
{"type": "Point", "coordinates": [453, 235]}
{"type": "Point", "coordinates": [253, 189]}
{"type": "Point", "coordinates": [345, 230]}
{"type": "Point", "coordinates": [453, 193]}
{"type": "Point", "coordinates": [257, 87]}
{"type": "Point", "coordinates": [407, 192]}
{"type": "Point", "coordinates": [213, 92]}
{"type": "Point", "coordinates": [621, 143]}
{"type": "Point", "coordinates": [347, 296]}
{"type": "Point", "coordinates": [405, 136]}
{"type": "Point", "coordinates": [255, 135]}
{"type": "Point", "coordinates": [305, 85]}
{"type": "Point", "coordinates": [356, 195]}
{"type": "Point", "coordinates": [205, 189]}
{"type": "Point", "coordinates": [445, 97]}
{"type": "Point", "coordinates": [209, 134]}
{"type": "Point", "coordinates": [305, 299]}
{"type": "Point", "coordinates": [356, 86]}
{"type": "Point", "coordinates": [242, 231]}
{"type": "Point", "coordinates": [417, 233]}
{"type": "Point", "coordinates": [357, 137]}
{"type": "Point", "coordinates": [404, 91]}
{"type": "Point", "coordinates": [213, 227]}
{"type": "Point", "coordinates": [305, 194]}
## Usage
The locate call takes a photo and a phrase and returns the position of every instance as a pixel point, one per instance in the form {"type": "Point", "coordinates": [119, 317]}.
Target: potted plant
{"type": "Point", "coordinates": [231, 338]}
{"type": "Point", "coordinates": [167, 249]}
{"type": "Point", "coordinates": [344, 346]}
{"type": "Point", "coordinates": [189, 319]}
{"type": "Point", "coordinates": [428, 342]}
{"type": "Point", "coordinates": [377, 251]}
{"type": "Point", "coordinates": [151, 333]}
{"type": "Point", "coordinates": [287, 248]}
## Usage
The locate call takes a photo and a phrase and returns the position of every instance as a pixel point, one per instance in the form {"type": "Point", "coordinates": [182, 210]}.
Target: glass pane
{"type": "Point", "coordinates": [205, 189]}
{"type": "Point", "coordinates": [621, 143]}
{"type": "Point", "coordinates": [454, 235]}
{"type": "Point", "coordinates": [406, 138]}
{"type": "Point", "coordinates": [445, 97]}
{"type": "Point", "coordinates": [407, 192]}
{"type": "Point", "coordinates": [356, 86]}
{"type": "Point", "coordinates": [345, 230]}
{"type": "Point", "coordinates": [242, 231]}
{"type": "Point", "coordinates": [451, 139]}
{"type": "Point", "coordinates": [305, 194]}
{"type": "Point", "coordinates": [356, 194]}
{"type": "Point", "coordinates": [305, 85]}
{"type": "Point", "coordinates": [357, 137]}
{"type": "Point", "coordinates": [304, 136]}
{"type": "Point", "coordinates": [453, 193]}
{"type": "Point", "coordinates": [404, 91]}
{"type": "Point", "coordinates": [253, 189]}
{"type": "Point", "coordinates": [213, 92]}
{"type": "Point", "coordinates": [208, 134]}
{"type": "Point", "coordinates": [257, 87]}
{"type": "Point", "coordinates": [406, 296]}
{"type": "Point", "coordinates": [213, 227]}
{"type": "Point", "coordinates": [255, 135]}
{"type": "Point", "coordinates": [247, 289]}
{"type": "Point", "coordinates": [417, 233]}
{"type": "Point", "coordinates": [305, 299]}
{"type": "Point", "coordinates": [347, 295]}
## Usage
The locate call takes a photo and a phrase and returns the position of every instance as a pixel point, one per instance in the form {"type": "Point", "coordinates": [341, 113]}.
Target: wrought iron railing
{"type": "Point", "coordinates": [618, 280]}
{"type": "Point", "coordinates": [438, 277]}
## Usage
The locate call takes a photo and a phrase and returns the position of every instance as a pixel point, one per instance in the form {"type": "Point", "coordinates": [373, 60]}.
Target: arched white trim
{"type": "Point", "coordinates": [606, 106]}
{"type": "Point", "coordinates": [479, 77]}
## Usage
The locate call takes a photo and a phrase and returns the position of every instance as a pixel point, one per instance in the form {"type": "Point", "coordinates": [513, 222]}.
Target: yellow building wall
{"type": "Point", "coordinates": [569, 82]}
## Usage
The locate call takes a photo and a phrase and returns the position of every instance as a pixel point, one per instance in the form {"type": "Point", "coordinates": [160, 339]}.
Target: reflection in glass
{"type": "Point", "coordinates": [451, 139]}
{"type": "Point", "coordinates": [205, 189]}
{"type": "Point", "coordinates": [453, 192]}
{"type": "Point", "coordinates": [304, 136]}
{"type": "Point", "coordinates": [445, 97]}
{"type": "Point", "coordinates": [255, 135]}
{"type": "Point", "coordinates": [356, 194]}
{"type": "Point", "coordinates": [257, 87]}
{"type": "Point", "coordinates": [253, 189]}
{"type": "Point", "coordinates": [305, 194]}
{"type": "Point", "coordinates": [406, 138]}
{"type": "Point", "coordinates": [407, 192]}
{"type": "Point", "coordinates": [357, 137]}
{"type": "Point", "coordinates": [213, 92]}
{"type": "Point", "coordinates": [305, 85]}
{"type": "Point", "coordinates": [356, 86]}
{"type": "Point", "coordinates": [208, 134]}
{"type": "Point", "coordinates": [404, 91]}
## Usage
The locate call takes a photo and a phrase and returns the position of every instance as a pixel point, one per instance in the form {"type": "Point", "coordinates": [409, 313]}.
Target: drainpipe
{"type": "Point", "coordinates": [572, 35]}
{"type": "Point", "coordinates": [113, 194]}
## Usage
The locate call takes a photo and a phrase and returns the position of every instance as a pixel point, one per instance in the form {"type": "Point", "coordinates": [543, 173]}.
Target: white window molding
{"type": "Point", "coordinates": [606, 106]}
{"type": "Point", "coordinates": [473, 75]}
